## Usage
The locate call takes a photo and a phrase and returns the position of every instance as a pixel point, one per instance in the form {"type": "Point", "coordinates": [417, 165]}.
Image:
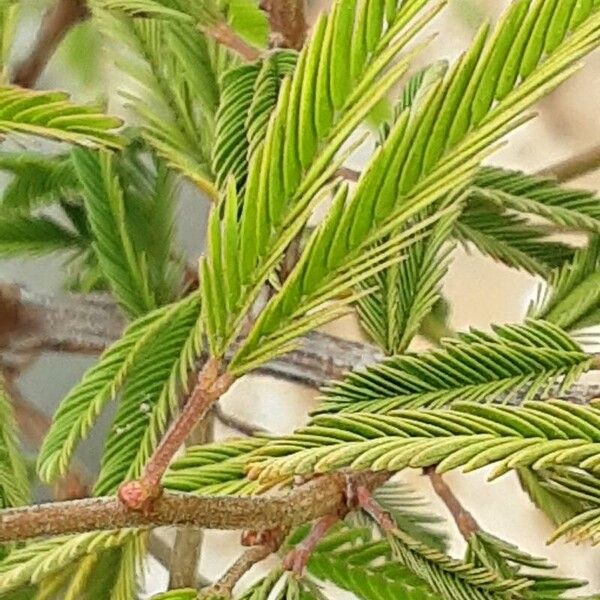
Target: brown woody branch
{"type": "Point", "coordinates": [321, 496]}
{"type": "Point", "coordinates": [90, 323]}
{"type": "Point", "coordinates": [224, 587]}
{"type": "Point", "coordinates": [466, 523]}
{"type": "Point", "coordinates": [65, 14]}
{"type": "Point", "coordinates": [59, 19]}
{"type": "Point", "coordinates": [211, 385]}
{"type": "Point", "coordinates": [288, 22]}
{"type": "Point", "coordinates": [224, 35]}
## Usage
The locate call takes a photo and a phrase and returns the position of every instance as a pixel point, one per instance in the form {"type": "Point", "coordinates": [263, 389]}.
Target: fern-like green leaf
{"type": "Point", "coordinates": [106, 573]}
{"type": "Point", "coordinates": [287, 586]}
{"type": "Point", "coordinates": [431, 150]}
{"type": "Point", "coordinates": [354, 561]}
{"type": "Point", "coordinates": [405, 293]}
{"type": "Point", "coordinates": [218, 468]}
{"type": "Point", "coordinates": [571, 298]}
{"type": "Point", "coordinates": [181, 594]}
{"type": "Point", "coordinates": [21, 234]}
{"type": "Point", "coordinates": [582, 488]}
{"type": "Point", "coordinates": [506, 559]}
{"type": "Point", "coordinates": [37, 180]}
{"type": "Point", "coordinates": [14, 482]}
{"type": "Point", "coordinates": [230, 151]}
{"type": "Point", "coordinates": [78, 412]}
{"type": "Point", "coordinates": [556, 506]}
{"type": "Point", "coordinates": [475, 366]}
{"type": "Point", "coordinates": [451, 578]}
{"type": "Point", "coordinates": [52, 115]}
{"type": "Point", "coordinates": [510, 239]}
{"type": "Point", "coordinates": [318, 108]}
{"type": "Point", "coordinates": [248, 96]}
{"type": "Point", "coordinates": [538, 196]}
{"type": "Point", "coordinates": [470, 435]}
{"type": "Point", "coordinates": [113, 224]}
{"type": "Point", "coordinates": [248, 20]}
{"type": "Point", "coordinates": [9, 10]}
{"type": "Point", "coordinates": [176, 91]}
{"type": "Point", "coordinates": [243, 16]}
{"type": "Point", "coordinates": [38, 560]}
{"type": "Point", "coordinates": [151, 394]}
{"type": "Point", "coordinates": [402, 295]}
{"type": "Point", "coordinates": [409, 511]}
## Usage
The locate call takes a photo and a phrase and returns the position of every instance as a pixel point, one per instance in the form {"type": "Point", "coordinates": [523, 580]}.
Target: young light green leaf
{"type": "Point", "coordinates": [52, 115]}
{"type": "Point", "coordinates": [430, 151]}
{"type": "Point", "coordinates": [318, 108]}
{"type": "Point", "coordinates": [536, 434]}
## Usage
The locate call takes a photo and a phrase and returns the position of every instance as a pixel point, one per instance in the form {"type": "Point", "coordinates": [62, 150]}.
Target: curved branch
{"type": "Point", "coordinates": [64, 15]}
{"type": "Point", "coordinates": [466, 523]}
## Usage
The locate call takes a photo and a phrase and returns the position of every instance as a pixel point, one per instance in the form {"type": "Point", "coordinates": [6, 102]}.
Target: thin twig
{"type": "Point", "coordinates": [211, 385]}
{"type": "Point", "coordinates": [288, 22]}
{"type": "Point", "coordinates": [574, 166]}
{"type": "Point", "coordinates": [321, 496]}
{"type": "Point", "coordinates": [224, 587]}
{"type": "Point", "coordinates": [224, 35]}
{"type": "Point", "coordinates": [348, 174]}
{"type": "Point", "coordinates": [239, 425]}
{"type": "Point", "coordinates": [64, 15]}
{"type": "Point", "coordinates": [464, 520]}
{"type": "Point", "coordinates": [183, 567]}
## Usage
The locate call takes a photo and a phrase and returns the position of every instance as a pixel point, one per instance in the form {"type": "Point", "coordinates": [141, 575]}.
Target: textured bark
{"type": "Point", "coordinates": [321, 496]}
{"type": "Point", "coordinates": [89, 323]}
